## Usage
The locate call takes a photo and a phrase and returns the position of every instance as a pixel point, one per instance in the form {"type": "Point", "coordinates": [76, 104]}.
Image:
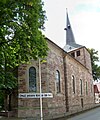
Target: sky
{"type": "Point", "coordinates": [84, 16]}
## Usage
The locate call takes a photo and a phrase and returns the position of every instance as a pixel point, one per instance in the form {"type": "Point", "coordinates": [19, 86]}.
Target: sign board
{"type": "Point", "coordinates": [35, 95]}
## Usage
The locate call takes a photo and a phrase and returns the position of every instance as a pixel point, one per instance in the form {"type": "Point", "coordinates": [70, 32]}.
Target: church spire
{"type": "Point", "coordinates": [69, 33]}
{"type": "Point", "coordinates": [70, 40]}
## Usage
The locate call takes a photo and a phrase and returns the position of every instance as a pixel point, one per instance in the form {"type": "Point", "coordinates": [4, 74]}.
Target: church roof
{"type": "Point", "coordinates": [70, 40]}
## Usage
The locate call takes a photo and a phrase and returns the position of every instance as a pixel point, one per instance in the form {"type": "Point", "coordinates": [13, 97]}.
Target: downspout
{"type": "Point", "coordinates": [66, 82]}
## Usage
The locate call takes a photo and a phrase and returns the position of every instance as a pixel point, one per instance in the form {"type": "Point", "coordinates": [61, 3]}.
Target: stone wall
{"type": "Point", "coordinates": [80, 73]}
{"type": "Point", "coordinates": [83, 58]}
{"type": "Point", "coordinates": [29, 107]}
{"type": "Point", "coordinates": [59, 60]}
{"type": "Point", "coordinates": [56, 105]}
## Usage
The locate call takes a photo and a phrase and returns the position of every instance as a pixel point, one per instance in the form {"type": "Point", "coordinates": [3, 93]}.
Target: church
{"type": "Point", "coordinates": [66, 74]}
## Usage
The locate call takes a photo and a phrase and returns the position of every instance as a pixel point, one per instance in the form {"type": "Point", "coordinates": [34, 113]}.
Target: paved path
{"type": "Point", "coordinates": [93, 114]}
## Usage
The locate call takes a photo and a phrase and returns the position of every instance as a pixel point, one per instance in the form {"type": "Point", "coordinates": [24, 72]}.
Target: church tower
{"type": "Point", "coordinates": [77, 51]}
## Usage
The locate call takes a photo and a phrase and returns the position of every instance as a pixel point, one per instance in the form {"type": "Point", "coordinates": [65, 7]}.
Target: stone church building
{"type": "Point", "coordinates": [67, 74]}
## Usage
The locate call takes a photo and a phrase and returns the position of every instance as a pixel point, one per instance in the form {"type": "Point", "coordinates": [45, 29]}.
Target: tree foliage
{"type": "Point", "coordinates": [95, 66]}
{"type": "Point", "coordinates": [21, 38]}
{"type": "Point", "coordinates": [20, 24]}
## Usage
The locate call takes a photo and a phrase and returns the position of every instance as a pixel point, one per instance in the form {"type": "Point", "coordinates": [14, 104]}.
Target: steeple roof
{"type": "Point", "coordinates": [70, 40]}
{"type": "Point", "coordinates": [70, 36]}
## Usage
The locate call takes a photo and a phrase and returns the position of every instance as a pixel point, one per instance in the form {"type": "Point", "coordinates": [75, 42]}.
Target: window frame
{"type": "Point", "coordinates": [58, 82]}
{"type": "Point", "coordinates": [73, 84]}
{"type": "Point", "coordinates": [78, 53]}
{"type": "Point", "coordinates": [33, 80]}
{"type": "Point", "coordinates": [81, 87]}
{"type": "Point", "coordinates": [86, 88]}
{"type": "Point", "coordinates": [73, 54]}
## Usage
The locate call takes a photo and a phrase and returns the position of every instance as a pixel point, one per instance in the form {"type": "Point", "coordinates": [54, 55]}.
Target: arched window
{"type": "Point", "coordinates": [32, 79]}
{"type": "Point", "coordinates": [91, 85]}
{"type": "Point", "coordinates": [81, 86]}
{"type": "Point", "coordinates": [58, 90]}
{"type": "Point", "coordinates": [86, 88]}
{"type": "Point", "coordinates": [73, 83]}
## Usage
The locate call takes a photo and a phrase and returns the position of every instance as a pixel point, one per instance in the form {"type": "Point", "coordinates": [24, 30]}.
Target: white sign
{"type": "Point", "coordinates": [35, 95]}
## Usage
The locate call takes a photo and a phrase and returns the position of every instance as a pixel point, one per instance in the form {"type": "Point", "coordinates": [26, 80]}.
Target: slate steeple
{"type": "Point", "coordinates": [70, 40]}
{"type": "Point", "coordinates": [69, 35]}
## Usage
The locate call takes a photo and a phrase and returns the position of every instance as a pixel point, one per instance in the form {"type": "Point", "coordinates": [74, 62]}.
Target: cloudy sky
{"type": "Point", "coordinates": [84, 16]}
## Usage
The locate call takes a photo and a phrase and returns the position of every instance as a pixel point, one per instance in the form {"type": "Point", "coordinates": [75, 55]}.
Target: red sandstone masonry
{"type": "Point", "coordinates": [57, 104]}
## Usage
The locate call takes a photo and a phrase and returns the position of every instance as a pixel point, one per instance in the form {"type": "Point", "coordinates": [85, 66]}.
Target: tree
{"type": "Point", "coordinates": [21, 39]}
{"type": "Point", "coordinates": [95, 66]}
